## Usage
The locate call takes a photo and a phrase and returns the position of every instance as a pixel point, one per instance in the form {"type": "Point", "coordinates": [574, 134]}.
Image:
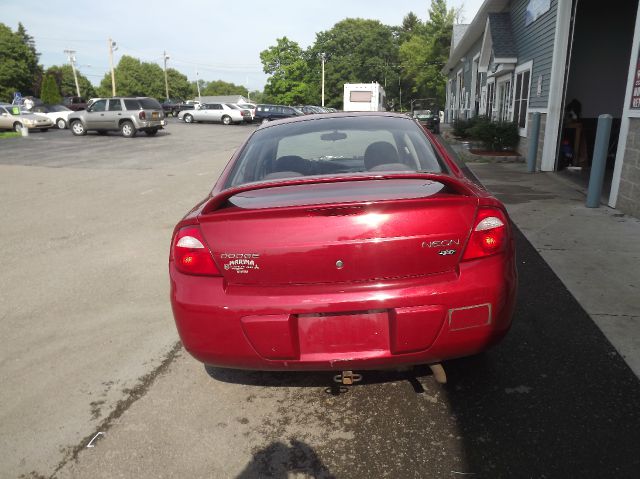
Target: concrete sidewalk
{"type": "Point", "coordinates": [594, 251]}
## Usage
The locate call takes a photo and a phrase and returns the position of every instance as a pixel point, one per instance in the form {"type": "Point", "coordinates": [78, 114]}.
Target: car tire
{"type": "Point", "coordinates": [151, 132]}
{"type": "Point", "coordinates": [175, 114]}
{"type": "Point", "coordinates": [226, 120]}
{"type": "Point", "coordinates": [17, 126]}
{"type": "Point", "coordinates": [127, 129]}
{"type": "Point", "coordinates": [265, 120]}
{"type": "Point", "coordinates": [61, 124]}
{"type": "Point", "coordinates": [188, 118]}
{"type": "Point", "coordinates": [77, 128]}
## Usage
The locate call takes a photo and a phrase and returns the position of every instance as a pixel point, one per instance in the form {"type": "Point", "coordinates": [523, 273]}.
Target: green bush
{"type": "Point", "coordinates": [495, 136]}
{"type": "Point", "coordinates": [464, 128]}
{"type": "Point", "coordinates": [461, 127]}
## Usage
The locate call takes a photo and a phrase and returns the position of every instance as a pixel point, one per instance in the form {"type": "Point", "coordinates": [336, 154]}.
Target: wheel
{"type": "Point", "coordinates": [17, 127]}
{"type": "Point", "coordinates": [61, 124]}
{"type": "Point", "coordinates": [226, 120]}
{"type": "Point", "coordinates": [127, 129]}
{"type": "Point", "coordinates": [77, 128]}
{"type": "Point", "coordinates": [188, 118]}
{"type": "Point", "coordinates": [44, 130]}
{"type": "Point", "coordinates": [265, 120]}
{"type": "Point", "coordinates": [151, 132]}
{"type": "Point", "coordinates": [175, 114]}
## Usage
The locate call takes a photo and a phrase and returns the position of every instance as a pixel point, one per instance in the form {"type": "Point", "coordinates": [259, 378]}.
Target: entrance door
{"type": "Point", "coordinates": [597, 69]}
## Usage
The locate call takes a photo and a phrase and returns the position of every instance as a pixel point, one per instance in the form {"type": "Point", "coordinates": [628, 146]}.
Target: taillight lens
{"type": "Point", "coordinates": [142, 115]}
{"type": "Point", "coordinates": [191, 254]}
{"type": "Point", "coordinates": [489, 235]}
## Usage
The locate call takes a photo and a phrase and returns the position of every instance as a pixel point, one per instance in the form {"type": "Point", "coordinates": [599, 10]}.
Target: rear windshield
{"type": "Point", "coordinates": [334, 146]}
{"type": "Point", "coordinates": [232, 106]}
{"type": "Point", "coordinates": [149, 104]}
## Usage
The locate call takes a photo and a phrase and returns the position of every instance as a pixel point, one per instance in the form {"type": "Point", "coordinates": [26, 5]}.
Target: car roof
{"type": "Point", "coordinates": [342, 114]}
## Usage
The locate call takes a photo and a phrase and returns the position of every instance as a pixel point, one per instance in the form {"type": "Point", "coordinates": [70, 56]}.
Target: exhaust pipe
{"type": "Point", "coordinates": [438, 373]}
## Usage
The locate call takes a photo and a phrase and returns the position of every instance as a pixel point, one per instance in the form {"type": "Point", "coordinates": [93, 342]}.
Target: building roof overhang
{"type": "Point", "coordinates": [473, 32]}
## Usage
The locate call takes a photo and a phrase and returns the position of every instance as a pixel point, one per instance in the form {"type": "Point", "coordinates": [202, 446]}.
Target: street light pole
{"type": "Point", "coordinates": [323, 56]}
{"type": "Point", "coordinates": [112, 48]}
{"type": "Point", "coordinates": [72, 60]}
{"type": "Point", "coordinates": [198, 85]}
{"type": "Point", "coordinates": [166, 82]}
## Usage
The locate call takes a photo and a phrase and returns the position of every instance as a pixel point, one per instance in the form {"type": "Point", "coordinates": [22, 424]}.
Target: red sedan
{"type": "Point", "coordinates": [342, 242]}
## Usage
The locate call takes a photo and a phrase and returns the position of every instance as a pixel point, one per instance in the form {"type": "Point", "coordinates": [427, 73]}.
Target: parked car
{"type": "Point", "coordinates": [128, 115]}
{"type": "Point", "coordinates": [75, 103]}
{"type": "Point", "coordinates": [249, 106]}
{"type": "Point", "coordinates": [311, 109]}
{"type": "Point", "coordinates": [173, 107]}
{"type": "Point", "coordinates": [341, 242]}
{"type": "Point", "coordinates": [58, 114]}
{"type": "Point", "coordinates": [247, 117]}
{"type": "Point", "coordinates": [265, 113]}
{"type": "Point", "coordinates": [214, 112]}
{"type": "Point", "coordinates": [15, 118]}
{"type": "Point", "coordinates": [429, 118]}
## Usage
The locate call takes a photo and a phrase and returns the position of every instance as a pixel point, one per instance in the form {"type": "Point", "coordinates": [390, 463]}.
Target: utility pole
{"type": "Point", "coordinates": [112, 48]}
{"type": "Point", "coordinates": [198, 85]}
{"type": "Point", "coordinates": [72, 59]}
{"type": "Point", "coordinates": [400, 88]}
{"type": "Point", "coordinates": [324, 57]}
{"type": "Point", "coordinates": [166, 82]}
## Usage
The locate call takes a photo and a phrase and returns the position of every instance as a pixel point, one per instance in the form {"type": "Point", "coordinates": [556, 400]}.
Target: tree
{"type": "Point", "coordinates": [66, 83]}
{"type": "Point", "coordinates": [179, 86]}
{"type": "Point", "coordinates": [50, 94]}
{"type": "Point", "coordinates": [358, 51]}
{"type": "Point", "coordinates": [289, 73]}
{"type": "Point", "coordinates": [134, 78]}
{"type": "Point", "coordinates": [425, 52]}
{"type": "Point", "coordinates": [219, 87]}
{"type": "Point", "coordinates": [18, 62]}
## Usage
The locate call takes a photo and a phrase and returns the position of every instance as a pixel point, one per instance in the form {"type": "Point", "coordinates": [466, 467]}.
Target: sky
{"type": "Point", "coordinates": [221, 40]}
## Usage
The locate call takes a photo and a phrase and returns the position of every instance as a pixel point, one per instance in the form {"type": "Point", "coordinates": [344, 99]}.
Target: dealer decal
{"type": "Point", "coordinates": [241, 263]}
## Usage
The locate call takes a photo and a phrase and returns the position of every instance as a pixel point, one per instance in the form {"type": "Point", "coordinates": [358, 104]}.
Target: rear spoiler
{"type": "Point", "coordinates": [217, 200]}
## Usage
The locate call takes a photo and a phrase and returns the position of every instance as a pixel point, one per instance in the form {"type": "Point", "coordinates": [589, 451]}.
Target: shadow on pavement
{"type": "Point", "coordinates": [282, 461]}
{"type": "Point", "coordinates": [314, 379]}
{"type": "Point", "coordinates": [555, 399]}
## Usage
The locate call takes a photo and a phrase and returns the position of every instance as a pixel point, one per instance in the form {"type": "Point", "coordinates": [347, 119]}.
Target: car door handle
{"type": "Point", "coordinates": [119, 114]}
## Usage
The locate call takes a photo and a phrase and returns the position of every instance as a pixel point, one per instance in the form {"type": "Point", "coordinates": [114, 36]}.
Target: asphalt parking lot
{"type": "Point", "coordinates": [91, 352]}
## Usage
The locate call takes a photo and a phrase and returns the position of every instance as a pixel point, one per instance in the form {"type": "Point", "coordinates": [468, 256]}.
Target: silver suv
{"type": "Point", "coordinates": [129, 115]}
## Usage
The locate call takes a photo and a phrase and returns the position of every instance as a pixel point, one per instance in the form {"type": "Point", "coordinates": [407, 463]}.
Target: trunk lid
{"type": "Point", "coordinates": [339, 232]}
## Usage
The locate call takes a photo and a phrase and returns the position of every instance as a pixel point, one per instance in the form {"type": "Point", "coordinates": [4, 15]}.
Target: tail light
{"type": "Point", "coordinates": [191, 254]}
{"type": "Point", "coordinates": [489, 235]}
{"type": "Point", "coordinates": [142, 115]}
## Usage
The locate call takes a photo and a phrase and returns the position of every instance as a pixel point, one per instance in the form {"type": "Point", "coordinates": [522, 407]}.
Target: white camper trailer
{"type": "Point", "coordinates": [364, 97]}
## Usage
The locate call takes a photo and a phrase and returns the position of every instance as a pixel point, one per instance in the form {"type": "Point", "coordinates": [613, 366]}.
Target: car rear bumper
{"type": "Point", "coordinates": [348, 326]}
{"type": "Point", "coordinates": [151, 124]}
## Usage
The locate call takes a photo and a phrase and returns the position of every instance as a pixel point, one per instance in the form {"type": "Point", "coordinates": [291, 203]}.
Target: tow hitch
{"type": "Point", "coordinates": [347, 378]}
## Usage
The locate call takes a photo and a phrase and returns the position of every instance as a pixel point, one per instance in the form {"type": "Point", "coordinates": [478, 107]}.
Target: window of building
{"type": "Point", "coordinates": [491, 97]}
{"type": "Point", "coordinates": [503, 99]}
{"type": "Point", "coordinates": [521, 96]}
